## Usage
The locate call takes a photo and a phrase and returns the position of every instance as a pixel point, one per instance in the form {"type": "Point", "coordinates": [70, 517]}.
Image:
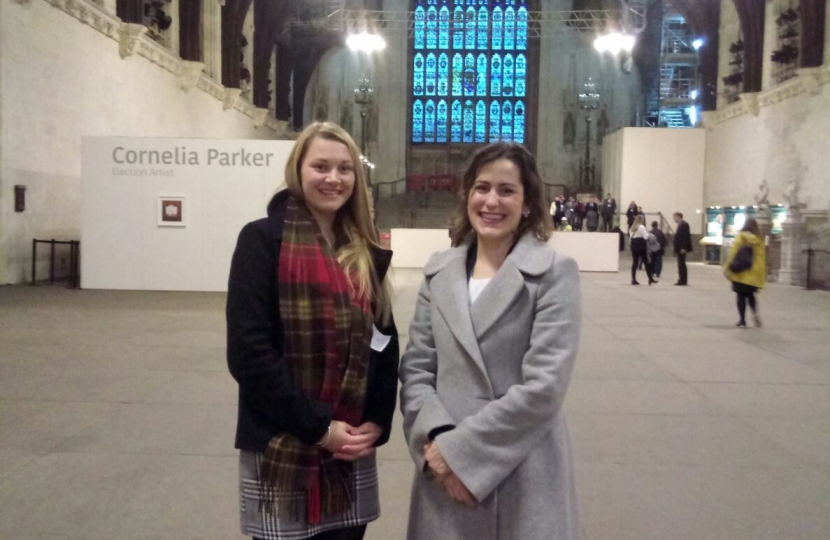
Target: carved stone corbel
{"type": "Point", "coordinates": [708, 119]}
{"type": "Point", "coordinates": [810, 79]}
{"type": "Point", "coordinates": [231, 95]}
{"type": "Point", "coordinates": [130, 37]}
{"type": "Point", "coordinates": [260, 115]}
{"type": "Point", "coordinates": [189, 73]}
{"type": "Point", "coordinates": [751, 103]}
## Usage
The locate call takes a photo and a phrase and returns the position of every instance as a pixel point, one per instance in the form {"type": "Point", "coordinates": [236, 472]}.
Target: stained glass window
{"type": "Point", "coordinates": [444, 28]}
{"type": "Point", "coordinates": [468, 121]}
{"type": "Point", "coordinates": [521, 29]}
{"type": "Point", "coordinates": [509, 28]}
{"type": "Point", "coordinates": [430, 75]}
{"type": "Point", "coordinates": [418, 75]}
{"type": "Point", "coordinates": [429, 121]}
{"type": "Point", "coordinates": [481, 75]}
{"type": "Point", "coordinates": [507, 120]}
{"type": "Point", "coordinates": [443, 74]}
{"type": "Point", "coordinates": [507, 75]}
{"type": "Point", "coordinates": [432, 28]}
{"type": "Point", "coordinates": [420, 18]}
{"type": "Point", "coordinates": [417, 121]}
{"type": "Point", "coordinates": [455, 132]}
{"type": "Point", "coordinates": [521, 75]}
{"type": "Point", "coordinates": [471, 50]}
{"type": "Point", "coordinates": [498, 22]}
{"type": "Point", "coordinates": [495, 75]}
{"type": "Point", "coordinates": [441, 130]}
{"type": "Point", "coordinates": [519, 122]}
{"type": "Point", "coordinates": [495, 121]}
{"type": "Point", "coordinates": [483, 30]}
{"type": "Point", "coordinates": [457, 28]}
{"type": "Point", "coordinates": [481, 121]}
{"type": "Point", "coordinates": [469, 79]}
{"type": "Point", "coordinates": [457, 74]}
{"type": "Point", "coordinates": [470, 38]}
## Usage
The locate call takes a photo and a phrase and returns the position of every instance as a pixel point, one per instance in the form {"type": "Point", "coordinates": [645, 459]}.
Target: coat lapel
{"type": "Point", "coordinates": [452, 297]}
{"type": "Point", "coordinates": [496, 297]}
{"type": "Point", "coordinates": [529, 257]}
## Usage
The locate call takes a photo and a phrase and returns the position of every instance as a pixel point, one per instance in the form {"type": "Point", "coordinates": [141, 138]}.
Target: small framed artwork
{"type": "Point", "coordinates": [172, 212]}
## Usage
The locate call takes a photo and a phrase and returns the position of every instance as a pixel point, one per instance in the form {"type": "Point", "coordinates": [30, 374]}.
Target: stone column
{"type": "Point", "coordinates": [790, 273]}
{"type": "Point", "coordinates": [763, 216]}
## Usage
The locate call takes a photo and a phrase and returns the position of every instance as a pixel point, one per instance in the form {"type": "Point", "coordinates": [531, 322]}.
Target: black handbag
{"type": "Point", "coordinates": [742, 261]}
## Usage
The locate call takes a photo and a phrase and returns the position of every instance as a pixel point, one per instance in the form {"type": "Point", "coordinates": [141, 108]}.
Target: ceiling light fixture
{"type": "Point", "coordinates": [365, 42]}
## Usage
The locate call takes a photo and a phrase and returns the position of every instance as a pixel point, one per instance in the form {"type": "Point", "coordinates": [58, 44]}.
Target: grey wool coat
{"type": "Point", "coordinates": [489, 380]}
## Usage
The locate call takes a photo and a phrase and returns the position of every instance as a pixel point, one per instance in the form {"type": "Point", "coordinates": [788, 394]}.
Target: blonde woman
{"type": "Point", "coordinates": [307, 295]}
{"type": "Point", "coordinates": [639, 249]}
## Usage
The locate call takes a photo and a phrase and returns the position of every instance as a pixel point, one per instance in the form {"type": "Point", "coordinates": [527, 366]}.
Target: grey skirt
{"type": "Point", "coordinates": [365, 508]}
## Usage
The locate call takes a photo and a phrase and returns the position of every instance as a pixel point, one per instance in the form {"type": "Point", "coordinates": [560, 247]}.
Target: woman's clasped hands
{"type": "Point", "coordinates": [351, 443]}
{"type": "Point", "coordinates": [454, 487]}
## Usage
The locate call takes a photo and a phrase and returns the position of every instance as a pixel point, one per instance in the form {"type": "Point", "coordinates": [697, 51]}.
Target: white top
{"type": "Point", "coordinates": [476, 286]}
{"type": "Point", "coordinates": [640, 233]}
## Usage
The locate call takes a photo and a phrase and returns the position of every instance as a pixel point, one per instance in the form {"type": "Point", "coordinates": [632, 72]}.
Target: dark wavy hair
{"type": "Point", "coordinates": [752, 226]}
{"type": "Point", "coordinates": [538, 220]}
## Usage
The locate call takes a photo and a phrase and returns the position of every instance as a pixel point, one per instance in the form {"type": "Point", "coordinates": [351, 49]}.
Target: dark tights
{"type": "Point", "coordinates": [348, 533]}
{"type": "Point", "coordinates": [637, 259]}
{"type": "Point", "coordinates": [743, 297]}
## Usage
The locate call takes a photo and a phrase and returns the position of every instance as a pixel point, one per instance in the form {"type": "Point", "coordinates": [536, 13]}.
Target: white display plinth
{"type": "Point", "coordinates": [593, 252]}
{"type": "Point", "coordinates": [412, 248]}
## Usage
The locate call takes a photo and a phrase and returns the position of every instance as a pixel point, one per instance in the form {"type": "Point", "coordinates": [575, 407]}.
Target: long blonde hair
{"type": "Point", "coordinates": [353, 225]}
{"type": "Point", "coordinates": [639, 220]}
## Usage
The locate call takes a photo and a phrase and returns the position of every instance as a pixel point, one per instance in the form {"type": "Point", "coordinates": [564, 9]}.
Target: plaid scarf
{"type": "Point", "coordinates": [328, 330]}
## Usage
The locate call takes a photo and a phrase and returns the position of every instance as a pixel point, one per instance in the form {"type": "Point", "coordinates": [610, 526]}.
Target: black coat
{"type": "Point", "coordinates": [270, 402]}
{"type": "Point", "coordinates": [683, 237]}
{"type": "Point", "coordinates": [661, 239]}
{"type": "Point", "coordinates": [631, 214]}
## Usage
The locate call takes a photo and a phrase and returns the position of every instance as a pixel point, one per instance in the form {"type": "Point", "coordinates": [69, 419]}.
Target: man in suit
{"type": "Point", "coordinates": [682, 246]}
{"type": "Point", "coordinates": [609, 209]}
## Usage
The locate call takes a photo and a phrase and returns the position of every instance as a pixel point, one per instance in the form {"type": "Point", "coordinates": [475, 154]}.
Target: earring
{"type": "Point", "coordinates": [525, 214]}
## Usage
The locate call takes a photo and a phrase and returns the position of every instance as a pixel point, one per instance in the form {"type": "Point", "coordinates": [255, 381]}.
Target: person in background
{"type": "Point", "coordinates": [558, 208]}
{"type": "Point", "coordinates": [570, 211]}
{"type": "Point", "coordinates": [682, 247]}
{"type": "Point", "coordinates": [592, 214]}
{"type": "Point", "coordinates": [609, 210]}
{"type": "Point", "coordinates": [631, 213]}
{"type": "Point", "coordinates": [657, 256]}
{"type": "Point", "coordinates": [580, 215]}
{"type": "Point", "coordinates": [746, 268]}
{"type": "Point", "coordinates": [639, 250]}
{"type": "Point", "coordinates": [313, 346]}
{"type": "Point", "coordinates": [564, 226]}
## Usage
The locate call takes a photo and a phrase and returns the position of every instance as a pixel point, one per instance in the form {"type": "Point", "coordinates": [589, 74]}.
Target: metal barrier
{"type": "Point", "coordinates": [74, 260]}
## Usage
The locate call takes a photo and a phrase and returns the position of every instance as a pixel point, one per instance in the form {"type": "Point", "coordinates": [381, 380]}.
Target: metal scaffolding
{"type": "Point", "coordinates": [540, 24]}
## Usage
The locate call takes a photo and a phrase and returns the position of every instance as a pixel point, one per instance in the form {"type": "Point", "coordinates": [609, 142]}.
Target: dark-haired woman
{"type": "Point", "coordinates": [312, 344]}
{"type": "Point", "coordinates": [492, 345]}
{"type": "Point", "coordinates": [749, 272]}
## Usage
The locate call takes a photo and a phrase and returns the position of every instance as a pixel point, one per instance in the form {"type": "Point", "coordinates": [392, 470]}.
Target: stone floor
{"type": "Point", "coordinates": [117, 415]}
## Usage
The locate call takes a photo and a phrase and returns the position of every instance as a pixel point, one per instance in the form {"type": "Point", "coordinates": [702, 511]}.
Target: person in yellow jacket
{"type": "Point", "coordinates": [746, 268]}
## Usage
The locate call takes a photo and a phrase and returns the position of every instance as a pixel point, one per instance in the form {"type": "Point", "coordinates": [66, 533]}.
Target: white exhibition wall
{"type": "Point", "coordinates": [661, 169]}
{"type": "Point", "coordinates": [224, 183]}
{"type": "Point", "coordinates": [63, 80]}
